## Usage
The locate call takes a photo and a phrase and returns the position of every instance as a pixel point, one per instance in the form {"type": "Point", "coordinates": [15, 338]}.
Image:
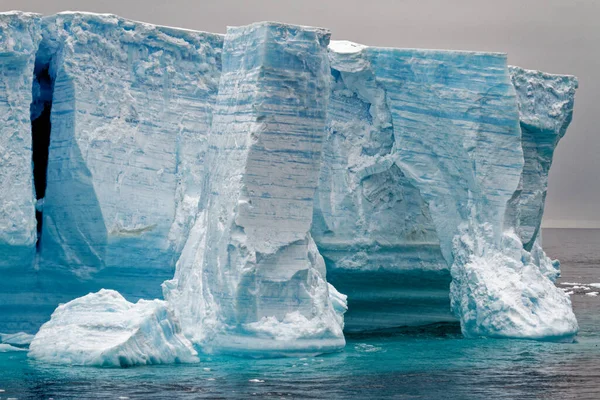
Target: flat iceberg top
{"type": "Point", "coordinates": [515, 70]}
{"type": "Point", "coordinates": [275, 24]}
{"type": "Point", "coordinates": [135, 31]}
{"type": "Point", "coordinates": [348, 47]}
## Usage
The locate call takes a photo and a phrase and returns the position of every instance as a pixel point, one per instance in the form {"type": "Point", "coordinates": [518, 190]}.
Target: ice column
{"type": "Point", "coordinates": [257, 278]}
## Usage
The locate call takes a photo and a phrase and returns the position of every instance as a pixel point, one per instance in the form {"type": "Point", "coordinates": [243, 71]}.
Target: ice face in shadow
{"type": "Point", "coordinates": [131, 109]}
{"type": "Point", "coordinates": [546, 110]}
{"type": "Point", "coordinates": [104, 329]}
{"type": "Point", "coordinates": [19, 37]}
{"type": "Point", "coordinates": [371, 223]}
{"type": "Point", "coordinates": [253, 281]}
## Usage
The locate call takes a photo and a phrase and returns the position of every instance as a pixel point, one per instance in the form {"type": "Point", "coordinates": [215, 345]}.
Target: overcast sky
{"type": "Point", "coordinates": [557, 36]}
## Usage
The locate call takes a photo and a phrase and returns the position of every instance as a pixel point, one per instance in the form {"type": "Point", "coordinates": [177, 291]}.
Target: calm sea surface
{"type": "Point", "coordinates": [434, 365]}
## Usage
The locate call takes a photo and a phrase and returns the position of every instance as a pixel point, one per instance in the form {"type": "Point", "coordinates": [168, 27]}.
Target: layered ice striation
{"type": "Point", "coordinates": [432, 141]}
{"type": "Point", "coordinates": [252, 280]}
{"type": "Point", "coordinates": [130, 108]}
{"type": "Point", "coordinates": [371, 222]}
{"type": "Point", "coordinates": [104, 329]}
{"type": "Point", "coordinates": [266, 169]}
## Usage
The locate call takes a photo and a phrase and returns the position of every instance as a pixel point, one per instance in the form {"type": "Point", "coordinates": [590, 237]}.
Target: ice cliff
{"type": "Point", "coordinates": [257, 174]}
{"type": "Point", "coordinates": [258, 284]}
{"type": "Point", "coordinates": [20, 34]}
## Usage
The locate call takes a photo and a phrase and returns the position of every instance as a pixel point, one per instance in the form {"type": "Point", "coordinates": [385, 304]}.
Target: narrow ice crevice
{"type": "Point", "coordinates": [41, 126]}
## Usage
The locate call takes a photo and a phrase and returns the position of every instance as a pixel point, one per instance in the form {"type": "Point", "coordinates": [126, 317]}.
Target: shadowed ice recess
{"type": "Point", "coordinates": [282, 188]}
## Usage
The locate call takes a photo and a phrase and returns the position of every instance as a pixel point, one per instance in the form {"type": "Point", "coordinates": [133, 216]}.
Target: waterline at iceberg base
{"type": "Point", "coordinates": [276, 187]}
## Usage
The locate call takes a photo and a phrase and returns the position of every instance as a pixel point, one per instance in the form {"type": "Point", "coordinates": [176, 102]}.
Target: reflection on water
{"type": "Point", "coordinates": [402, 365]}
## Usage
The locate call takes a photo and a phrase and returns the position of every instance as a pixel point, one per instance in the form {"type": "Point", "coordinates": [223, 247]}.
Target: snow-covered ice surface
{"type": "Point", "coordinates": [251, 280]}
{"type": "Point", "coordinates": [104, 329]}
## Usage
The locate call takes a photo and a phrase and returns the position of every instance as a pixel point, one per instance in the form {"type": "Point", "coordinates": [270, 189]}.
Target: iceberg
{"type": "Point", "coordinates": [128, 106]}
{"type": "Point", "coordinates": [282, 189]}
{"type": "Point", "coordinates": [104, 329]}
{"type": "Point", "coordinates": [19, 37]}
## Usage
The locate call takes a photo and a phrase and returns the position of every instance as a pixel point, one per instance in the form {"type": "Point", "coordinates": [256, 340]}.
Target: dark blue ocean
{"type": "Point", "coordinates": [429, 364]}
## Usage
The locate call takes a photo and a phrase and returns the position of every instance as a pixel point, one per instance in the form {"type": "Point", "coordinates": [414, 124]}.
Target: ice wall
{"type": "Point", "coordinates": [414, 173]}
{"type": "Point", "coordinates": [446, 125]}
{"type": "Point", "coordinates": [253, 281]}
{"type": "Point", "coordinates": [371, 223]}
{"type": "Point", "coordinates": [131, 110]}
{"type": "Point", "coordinates": [19, 37]}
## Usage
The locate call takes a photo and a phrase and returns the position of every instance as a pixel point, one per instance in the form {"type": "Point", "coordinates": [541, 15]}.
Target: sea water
{"type": "Point", "coordinates": [431, 363]}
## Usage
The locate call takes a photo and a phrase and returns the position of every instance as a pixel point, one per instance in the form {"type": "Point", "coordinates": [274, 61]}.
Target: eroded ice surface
{"type": "Point", "coordinates": [131, 109]}
{"type": "Point", "coordinates": [104, 329]}
{"type": "Point", "coordinates": [20, 34]}
{"type": "Point", "coordinates": [439, 136]}
{"type": "Point", "coordinates": [272, 169]}
{"type": "Point", "coordinates": [251, 280]}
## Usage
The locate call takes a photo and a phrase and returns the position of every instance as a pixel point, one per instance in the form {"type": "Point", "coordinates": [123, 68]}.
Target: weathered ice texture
{"type": "Point", "coordinates": [264, 164]}
{"type": "Point", "coordinates": [104, 329]}
{"type": "Point", "coordinates": [131, 110]}
{"type": "Point", "coordinates": [19, 37]}
{"type": "Point", "coordinates": [444, 127]}
{"type": "Point", "coordinates": [546, 109]}
{"type": "Point", "coordinates": [253, 281]}
{"type": "Point", "coordinates": [371, 223]}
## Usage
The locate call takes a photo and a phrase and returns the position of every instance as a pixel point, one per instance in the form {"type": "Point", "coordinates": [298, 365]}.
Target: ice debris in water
{"type": "Point", "coordinates": [19, 339]}
{"type": "Point", "coordinates": [104, 329]}
{"type": "Point", "coordinates": [6, 348]}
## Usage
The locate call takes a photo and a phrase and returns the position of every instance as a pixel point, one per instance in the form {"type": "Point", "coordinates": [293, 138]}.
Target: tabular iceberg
{"type": "Point", "coordinates": [268, 171]}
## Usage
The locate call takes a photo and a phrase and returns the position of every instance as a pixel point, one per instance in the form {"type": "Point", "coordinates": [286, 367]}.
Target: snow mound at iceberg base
{"type": "Point", "coordinates": [505, 292]}
{"type": "Point", "coordinates": [104, 329]}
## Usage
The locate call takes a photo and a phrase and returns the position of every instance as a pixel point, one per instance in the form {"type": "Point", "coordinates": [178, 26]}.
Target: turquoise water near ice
{"type": "Point", "coordinates": [426, 364]}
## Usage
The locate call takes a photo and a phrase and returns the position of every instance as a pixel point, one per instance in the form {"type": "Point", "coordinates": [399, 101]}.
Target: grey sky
{"type": "Point", "coordinates": [557, 36]}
